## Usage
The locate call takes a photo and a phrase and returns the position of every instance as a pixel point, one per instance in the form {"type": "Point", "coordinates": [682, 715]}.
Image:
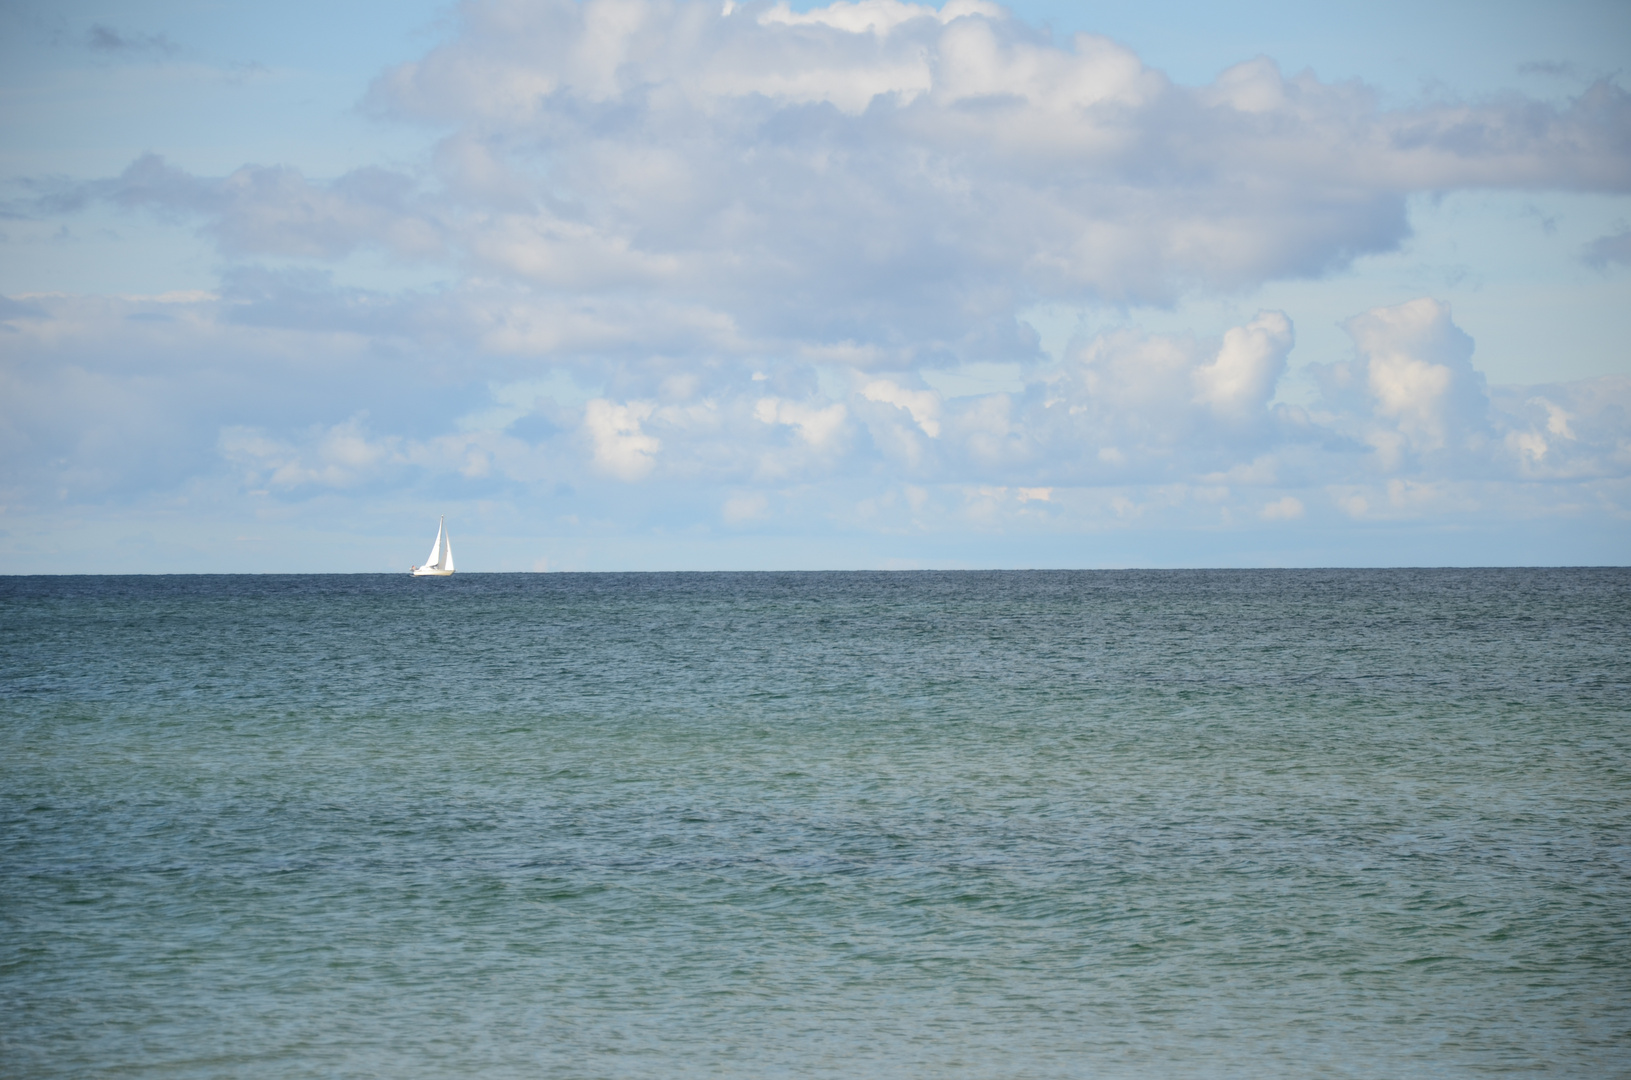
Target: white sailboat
{"type": "Point", "coordinates": [440, 563]}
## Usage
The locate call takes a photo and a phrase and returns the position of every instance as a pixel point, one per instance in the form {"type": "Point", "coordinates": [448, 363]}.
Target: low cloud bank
{"type": "Point", "coordinates": [128, 400]}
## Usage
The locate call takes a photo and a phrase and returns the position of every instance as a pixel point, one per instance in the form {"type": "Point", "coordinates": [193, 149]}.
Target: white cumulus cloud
{"type": "Point", "coordinates": [620, 447]}
{"type": "Point", "coordinates": [896, 179]}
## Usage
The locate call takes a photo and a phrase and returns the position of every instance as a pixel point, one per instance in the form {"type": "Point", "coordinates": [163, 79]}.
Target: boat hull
{"type": "Point", "coordinates": [423, 571]}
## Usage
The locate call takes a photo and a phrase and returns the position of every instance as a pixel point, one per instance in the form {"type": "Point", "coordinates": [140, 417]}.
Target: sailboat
{"type": "Point", "coordinates": [440, 563]}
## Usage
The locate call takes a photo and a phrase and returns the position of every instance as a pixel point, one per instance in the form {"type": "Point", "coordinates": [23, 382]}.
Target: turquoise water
{"type": "Point", "coordinates": [1120, 824]}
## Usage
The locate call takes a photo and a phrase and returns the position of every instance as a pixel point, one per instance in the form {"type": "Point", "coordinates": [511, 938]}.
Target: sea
{"type": "Point", "coordinates": [1253, 823]}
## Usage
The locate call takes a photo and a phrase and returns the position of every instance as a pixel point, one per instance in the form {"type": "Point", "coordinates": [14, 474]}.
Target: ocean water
{"type": "Point", "coordinates": [1073, 824]}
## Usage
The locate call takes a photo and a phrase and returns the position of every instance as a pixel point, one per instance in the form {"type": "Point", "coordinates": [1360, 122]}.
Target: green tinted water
{"type": "Point", "coordinates": [1332, 823]}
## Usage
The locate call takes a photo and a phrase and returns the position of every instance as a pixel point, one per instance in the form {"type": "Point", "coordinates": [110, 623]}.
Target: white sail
{"type": "Point", "coordinates": [447, 550]}
{"type": "Point", "coordinates": [434, 559]}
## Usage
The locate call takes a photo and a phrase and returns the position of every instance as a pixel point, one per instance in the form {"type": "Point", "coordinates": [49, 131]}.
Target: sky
{"type": "Point", "coordinates": [652, 285]}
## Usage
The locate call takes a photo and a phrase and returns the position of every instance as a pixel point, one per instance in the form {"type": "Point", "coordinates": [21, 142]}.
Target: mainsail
{"type": "Point", "coordinates": [433, 561]}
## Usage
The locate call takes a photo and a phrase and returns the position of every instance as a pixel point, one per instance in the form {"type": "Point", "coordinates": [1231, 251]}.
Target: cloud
{"type": "Point", "coordinates": [96, 404]}
{"type": "Point", "coordinates": [1412, 397]}
{"type": "Point", "coordinates": [1416, 367]}
{"type": "Point", "coordinates": [1606, 251]}
{"type": "Point", "coordinates": [101, 413]}
{"type": "Point", "coordinates": [17, 309]}
{"type": "Point", "coordinates": [1285, 508]}
{"type": "Point", "coordinates": [106, 39]}
{"type": "Point", "coordinates": [1566, 431]}
{"type": "Point", "coordinates": [121, 397]}
{"type": "Point", "coordinates": [1241, 380]}
{"type": "Point", "coordinates": [922, 405]}
{"type": "Point", "coordinates": [1556, 69]}
{"type": "Point", "coordinates": [741, 508]}
{"type": "Point", "coordinates": [816, 425]}
{"type": "Point", "coordinates": [342, 456]}
{"type": "Point", "coordinates": [260, 210]}
{"type": "Point", "coordinates": [620, 447]}
{"type": "Point", "coordinates": [1130, 407]}
{"type": "Point", "coordinates": [892, 178]}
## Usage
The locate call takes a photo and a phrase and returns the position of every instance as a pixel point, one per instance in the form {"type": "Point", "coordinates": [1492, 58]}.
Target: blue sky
{"type": "Point", "coordinates": [641, 285]}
